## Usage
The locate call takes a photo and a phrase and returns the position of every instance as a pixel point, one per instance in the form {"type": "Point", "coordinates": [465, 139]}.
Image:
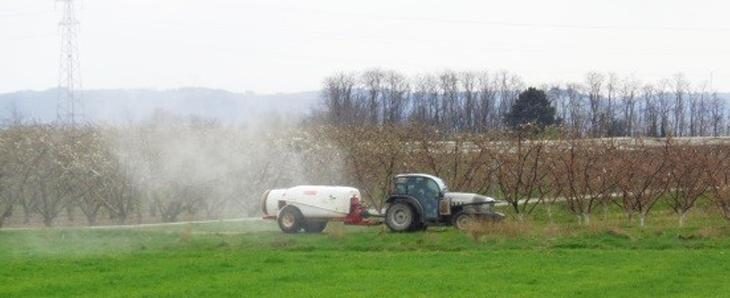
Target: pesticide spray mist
{"type": "Point", "coordinates": [191, 168]}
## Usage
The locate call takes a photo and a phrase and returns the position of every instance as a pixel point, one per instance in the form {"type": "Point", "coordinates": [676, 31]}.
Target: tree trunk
{"type": "Point", "coordinates": [587, 219]}
{"type": "Point", "coordinates": [47, 221]}
{"type": "Point", "coordinates": [682, 218]}
{"type": "Point", "coordinates": [26, 214]}
{"type": "Point", "coordinates": [642, 220]}
{"type": "Point", "coordinates": [550, 212]}
{"type": "Point", "coordinates": [91, 214]}
{"type": "Point", "coordinates": [91, 218]}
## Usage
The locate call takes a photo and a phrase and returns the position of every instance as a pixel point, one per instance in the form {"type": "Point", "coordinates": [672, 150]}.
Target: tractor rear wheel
{"type": "Point", "coordinates": [290, 220]}
{"type": "Point", "coordinates": [315, 226]}
{"type": "Point", "coordinates": [400, 217]}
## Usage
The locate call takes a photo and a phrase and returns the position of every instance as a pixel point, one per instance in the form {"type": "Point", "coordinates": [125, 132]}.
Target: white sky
{"type": "Point", "coordinates": [283, 46]}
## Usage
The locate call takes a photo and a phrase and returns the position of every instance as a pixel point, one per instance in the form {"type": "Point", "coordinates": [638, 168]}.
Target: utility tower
{"type": "Point", "coordinates": [68, 109]}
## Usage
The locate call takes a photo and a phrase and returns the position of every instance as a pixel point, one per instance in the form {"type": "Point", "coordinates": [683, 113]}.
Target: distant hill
{"type": "Point", "coordinates": [125, 105]}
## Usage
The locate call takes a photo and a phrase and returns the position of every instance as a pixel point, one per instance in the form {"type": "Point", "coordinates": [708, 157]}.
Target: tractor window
{"type": "Point", "coordinates": [431, 190]}
{"type": "Point", "coordinates": [419, 187]}
{"type": "Point", "coordinates": [432, 187]}
{"type": "Point", "coordinates": [401, 186]}
{"type": "Point", "coordinates": [423, 188]}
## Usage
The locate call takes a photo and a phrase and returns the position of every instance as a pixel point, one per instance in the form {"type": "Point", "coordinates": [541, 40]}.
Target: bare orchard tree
{"type": "Point", "coordinates": [20, 157]}
{"type": "Point", "coordinates": [118, 184]}
{"type": "Point", "coordinates": [688, 180]}
{"type": "Point", "coordinates": [520, 173]}
{"type": "Point", "coordinates": [87, 168]}
{"type": "Point", "coordinates": [586, 173]}
{"type": "Point", "coordinates": [719, 177]}
{"type": "Point", "coordinates": [643, 179]}
{"type": "Point", "coordinates": [54, 180]}
{"type": "Point", "coordinates": [119, 194]}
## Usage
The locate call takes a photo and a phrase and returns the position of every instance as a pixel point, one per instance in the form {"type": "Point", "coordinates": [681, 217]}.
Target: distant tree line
{"type": "Point", "coordinates": [602, 105]}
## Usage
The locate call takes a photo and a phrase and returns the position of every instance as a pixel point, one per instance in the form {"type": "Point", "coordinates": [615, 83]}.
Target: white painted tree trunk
{"type": "Point", "coordinates": [550, 212]}
{"type": "Point", "coordinates": [642, 220]}
{"type": "Point", "coordinates": [682, 218]}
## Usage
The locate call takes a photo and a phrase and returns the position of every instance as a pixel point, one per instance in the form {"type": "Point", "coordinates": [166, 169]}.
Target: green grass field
{"type": "Point", "coordinates": [251, 259]}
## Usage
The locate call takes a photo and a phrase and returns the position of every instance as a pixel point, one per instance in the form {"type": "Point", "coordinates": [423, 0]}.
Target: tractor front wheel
{"type": "Point", "coordinates": [400, 217]}
{"type": "Point", "coordinates": [463, 220]}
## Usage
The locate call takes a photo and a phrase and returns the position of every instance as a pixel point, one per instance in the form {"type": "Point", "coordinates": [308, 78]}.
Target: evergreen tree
{"type": "Point", "coordinates": [531, 107]}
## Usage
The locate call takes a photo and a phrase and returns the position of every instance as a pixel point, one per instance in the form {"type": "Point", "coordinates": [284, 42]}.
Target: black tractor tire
{"type": "Point", "coordinates": [315, 226]}
{"type": "Point", "coordinates": [400, 217]}
{"type": "Point", "coordinates": [290, 220]}
{"type": "Point", "coordinates": [462, 220]}
{"type": "Point", "coordinates": [418, 226]}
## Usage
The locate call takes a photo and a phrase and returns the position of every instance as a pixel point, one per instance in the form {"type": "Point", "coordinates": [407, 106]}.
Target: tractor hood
{"type": "Point", "coordinates": [461, 198]}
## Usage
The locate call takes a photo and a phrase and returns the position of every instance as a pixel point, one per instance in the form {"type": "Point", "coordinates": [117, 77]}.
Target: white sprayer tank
{"type": "Point", "coordinates": [314, 201]}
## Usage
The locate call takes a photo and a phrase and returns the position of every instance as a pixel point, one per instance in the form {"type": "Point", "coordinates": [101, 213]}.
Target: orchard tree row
{"type": "Point", "coordinates": [579, 175]}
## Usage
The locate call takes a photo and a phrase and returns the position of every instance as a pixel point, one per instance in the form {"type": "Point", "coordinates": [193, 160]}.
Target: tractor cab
{"type": "Point", "coordinates": [419, 185]}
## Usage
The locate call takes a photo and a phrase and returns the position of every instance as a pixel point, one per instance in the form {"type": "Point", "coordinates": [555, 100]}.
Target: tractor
{"type": "Point", "coordinates": [421, 200]}
{"type": "Point", "coordinates": [416, 202]}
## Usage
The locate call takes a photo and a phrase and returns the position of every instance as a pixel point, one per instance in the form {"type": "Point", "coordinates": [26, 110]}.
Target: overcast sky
{"type": "Point", "coordinates": [284, 46]}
